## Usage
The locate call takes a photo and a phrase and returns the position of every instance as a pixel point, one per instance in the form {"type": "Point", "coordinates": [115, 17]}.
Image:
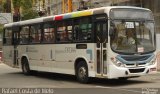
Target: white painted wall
{"type": "Point", "coordinates": [158, 50]}
{"type": "Point", "coordinates": [158, 42]}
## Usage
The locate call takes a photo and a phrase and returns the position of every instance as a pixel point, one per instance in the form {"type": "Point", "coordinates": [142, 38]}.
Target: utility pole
{"type": "Point", "coordinates": [66, 6]}
{"type": "Point", "coordinates": [69, 5]}
{"type": "Point", "coordinates": [63, 6]}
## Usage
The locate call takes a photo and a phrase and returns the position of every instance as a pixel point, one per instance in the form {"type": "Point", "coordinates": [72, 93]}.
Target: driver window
{"type": "Point", "coordinates": [121, 29]}
{"type": "Point", "coordinates": [120, 34]}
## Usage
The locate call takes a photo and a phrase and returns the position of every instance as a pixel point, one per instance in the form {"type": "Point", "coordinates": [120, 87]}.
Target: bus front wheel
{"type": "Point", "coordinates": [25, 67]}
{"type": "Point", "coordinates": [82, 72]}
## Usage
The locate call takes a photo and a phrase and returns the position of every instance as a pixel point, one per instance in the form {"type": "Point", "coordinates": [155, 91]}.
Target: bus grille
{"type": "Point", "coordinates": [137, 58]}
{"type": "Point", "coordinates": [133, 65]}
{"type": "Point", "coordinates": [136, 70]}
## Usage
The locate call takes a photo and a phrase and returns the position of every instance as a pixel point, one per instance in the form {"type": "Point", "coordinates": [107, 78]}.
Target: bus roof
{"type": "Point", "coordinates": [69, 15]}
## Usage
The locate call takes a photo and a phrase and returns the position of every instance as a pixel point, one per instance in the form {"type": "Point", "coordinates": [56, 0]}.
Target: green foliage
{"type": "Point", "coordinates": [4, 5]}
{"type": "Point", "coordinates": [26, 6]}
{"type": "Point", "coordinates": [29, 14]}
{"type": "Point", "coordinates": [17, 3]}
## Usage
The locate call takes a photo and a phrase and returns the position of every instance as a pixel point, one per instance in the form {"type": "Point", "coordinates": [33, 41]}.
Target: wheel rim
{"type": "Point", "coordinates": [82, 73]}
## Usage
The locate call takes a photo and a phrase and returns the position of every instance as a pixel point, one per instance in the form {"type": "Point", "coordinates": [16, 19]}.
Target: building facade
{"type": "Point", "coordinates": [54, 7]}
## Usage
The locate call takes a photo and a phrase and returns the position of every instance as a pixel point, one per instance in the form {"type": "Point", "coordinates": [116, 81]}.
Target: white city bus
{"type": "Point", "coordinates": [108, 42]}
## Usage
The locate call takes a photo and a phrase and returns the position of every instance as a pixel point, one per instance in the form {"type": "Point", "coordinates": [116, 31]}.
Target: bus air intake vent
{"type": "Point", "coordinates": [137, 70]}
{"type": "Point", "coordinates": [137, 58]}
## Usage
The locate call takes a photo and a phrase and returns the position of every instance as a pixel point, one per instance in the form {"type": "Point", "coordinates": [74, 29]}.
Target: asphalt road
{"type": "Point", "coordinates": [66, 84]}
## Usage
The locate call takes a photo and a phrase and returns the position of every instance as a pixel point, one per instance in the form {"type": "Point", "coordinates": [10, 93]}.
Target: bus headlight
{"type": "Point", "coordinates": [117, 62]}
{"type": "Point", "coordinates": [152, 62]}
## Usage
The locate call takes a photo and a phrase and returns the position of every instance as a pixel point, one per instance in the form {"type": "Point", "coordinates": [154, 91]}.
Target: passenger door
{"type": "Point", "coordinates": [101, 37]}
{"type": "Point", "coordinates": [15, 42]}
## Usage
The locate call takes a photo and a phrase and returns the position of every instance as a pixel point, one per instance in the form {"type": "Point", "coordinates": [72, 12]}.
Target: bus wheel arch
{"type": "Point", "coordinates": [25, 65]}
{"type": "Point", "coordinates": [81, 70]}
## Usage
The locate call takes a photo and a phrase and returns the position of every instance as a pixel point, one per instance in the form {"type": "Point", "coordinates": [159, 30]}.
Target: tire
{"type": "Point", "coordinates": [25, 67]}
{"type": "Point", "coordinates": [82, 72]}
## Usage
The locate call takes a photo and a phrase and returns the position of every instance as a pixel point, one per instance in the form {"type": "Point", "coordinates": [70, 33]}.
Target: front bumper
{"type": "Point", "coordinates": [117, 72]}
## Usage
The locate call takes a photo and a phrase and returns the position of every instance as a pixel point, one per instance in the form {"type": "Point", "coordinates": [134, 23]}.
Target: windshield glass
{"type": "Point", "coordinates": [122, 13]}
{"type": "Point", "coordinates": [132, 31]}
{"type": "Point", "coordinates": [132, 37]}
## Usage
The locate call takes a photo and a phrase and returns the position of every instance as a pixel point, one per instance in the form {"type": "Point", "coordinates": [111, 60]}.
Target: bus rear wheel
{"type": "Point", "coordinates": [82, 72]}
{"type": "Point", "coordinates": [25, 67]}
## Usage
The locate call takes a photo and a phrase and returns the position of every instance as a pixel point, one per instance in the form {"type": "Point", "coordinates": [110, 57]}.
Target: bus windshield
{"type": "Point", "coordinates": [133, 36]}
{"type": "Point", "coordinates": [131, 14]}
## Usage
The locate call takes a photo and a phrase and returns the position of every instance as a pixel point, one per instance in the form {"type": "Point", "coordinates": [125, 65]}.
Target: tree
{"type": "Point", "coordinates": [29, 14]}
{"type": "Point", "coordinates": [27, 11]}
{"type": "Point", "coordinates": [16, 6]}
{"type": "Point", "coordinates": [5, 6]}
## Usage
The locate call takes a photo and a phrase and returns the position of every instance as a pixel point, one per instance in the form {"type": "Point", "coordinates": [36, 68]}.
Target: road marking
{"type": "Point", "coordinates": [120, 89]}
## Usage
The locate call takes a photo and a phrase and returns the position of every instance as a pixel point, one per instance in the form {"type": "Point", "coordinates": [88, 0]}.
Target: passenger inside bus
{"type": "Point", "coordinates": [49, 35]}
{"type": "Point", "coordinates": [63, 36]}
{"type": "Point", "coordinates": [24, 39]}
{"type": "Point", "coordinates": [76, 29]}
{"type": "Point", "coordinates": [119, 35]}
{"type": "Point", "coordinates": [78, 33]}
{"type": "Point", "coordinates": [129, 40]}
{"type": "Point", "coordinates": [37, 38]}
{"type": "Point", "coordinates": [121, 28]}
{"type": "Point", "coordinates": [124, 37]}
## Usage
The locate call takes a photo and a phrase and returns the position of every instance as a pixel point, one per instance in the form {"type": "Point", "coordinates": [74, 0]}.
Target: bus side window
{"type": "Point", "coordinates": [24, 35]}
{"type": "Point", "coordinates": [61, 34]}
{"type": "Point", "coordinates": [4, 37]}
{"type": "Point", "coordinates": [76, 30]}
{"type": "Point", "coordinates": [69, 29]}
{"type": "Point", "coordinates": [63, 31]}
{"type": "Point", "coordinates": [48, 33]}
{"type": "Point", "coordinates": [82, 29]}
{"type": "Point", "coordinates": [7, 37]}
{"type": "Point", "coordinates": [35, 33]}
